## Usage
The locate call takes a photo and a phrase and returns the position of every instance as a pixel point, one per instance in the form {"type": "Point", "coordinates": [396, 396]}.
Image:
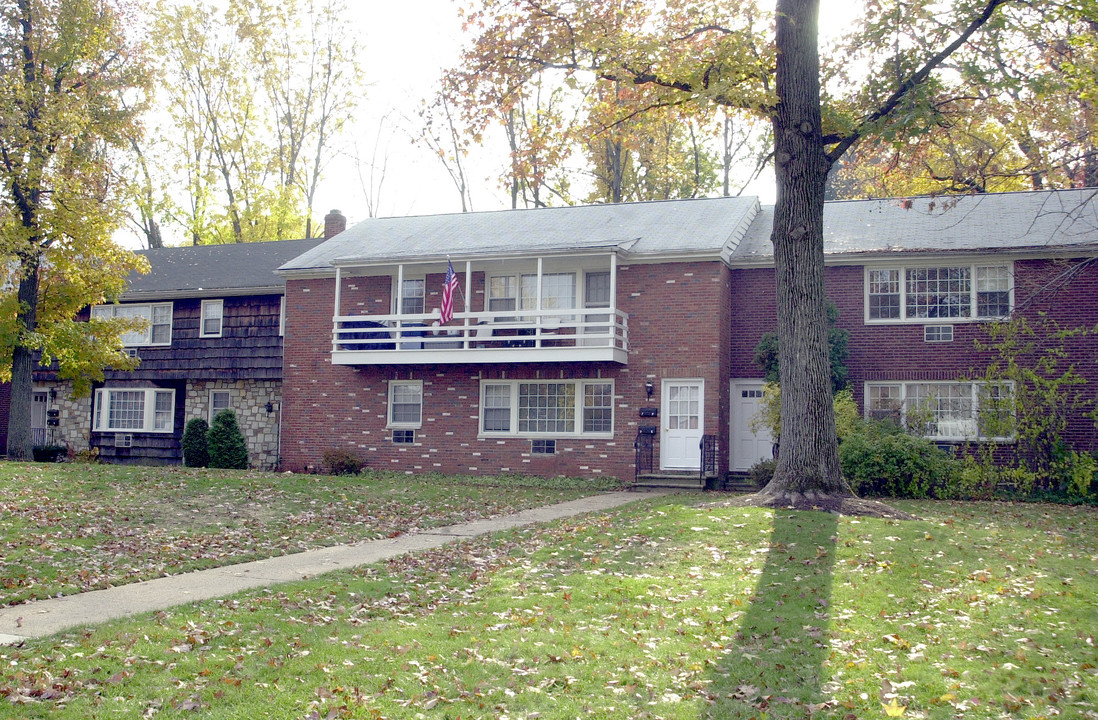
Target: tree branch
{"type": "Point", "coordinates": [844, 142]}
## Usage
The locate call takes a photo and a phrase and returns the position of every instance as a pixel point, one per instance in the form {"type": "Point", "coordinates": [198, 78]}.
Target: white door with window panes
{"type": "Point", "coordinates": [748, 445]}
{"type": "Point", "coordinates": [682, 427]}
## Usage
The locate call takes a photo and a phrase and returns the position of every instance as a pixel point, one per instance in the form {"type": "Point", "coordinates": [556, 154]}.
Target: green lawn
{"type": "Point", "coordinates": [671, 608]}
{"type": "Point", "coordinates": [76, 527]}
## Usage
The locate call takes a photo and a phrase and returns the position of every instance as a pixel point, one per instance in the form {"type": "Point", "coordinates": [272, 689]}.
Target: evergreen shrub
{"type": "Point", "coordinates": [196, 445]}
{"type": "Point", "coordinates": [228, 448]}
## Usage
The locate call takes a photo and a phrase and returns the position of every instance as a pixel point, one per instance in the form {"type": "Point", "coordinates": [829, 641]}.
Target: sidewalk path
{"type": "Point", "coordinates": [46, 617]}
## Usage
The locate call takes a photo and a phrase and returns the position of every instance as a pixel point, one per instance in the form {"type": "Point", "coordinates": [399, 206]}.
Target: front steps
{"type": "Point", "coordinates": [669, 481]}
{"type": "Point", "coordinates": [690, 481]}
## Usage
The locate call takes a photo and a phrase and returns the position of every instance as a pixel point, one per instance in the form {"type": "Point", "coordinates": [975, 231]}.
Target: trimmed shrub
{"type": "Point", "coordinates": [228, 449]}
{"type": "Point", "coordinates": [196, 444]}
{"type": "Point", "coordinates": [762, 472]}
{"type": "Point", "coordinates": [880, 463]}
{"type": "Point", "coordinates": [49, 453]}
{"type": "Point", "coordinates": [343, 462]}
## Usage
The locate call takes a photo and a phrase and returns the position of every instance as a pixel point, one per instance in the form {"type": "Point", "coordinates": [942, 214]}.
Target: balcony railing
{"type": "Point", "coordinates": [482, 337]}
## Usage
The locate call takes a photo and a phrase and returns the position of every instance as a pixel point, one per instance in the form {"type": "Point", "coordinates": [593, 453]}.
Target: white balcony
{"type": "Point", "coordinates": [537, 336]}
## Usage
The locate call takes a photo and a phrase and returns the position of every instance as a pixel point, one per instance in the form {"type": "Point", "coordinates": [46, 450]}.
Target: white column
{"type": "Point", "coordinates": [335, 313]}
{"type": "Point", "coordinates": [613, 299]}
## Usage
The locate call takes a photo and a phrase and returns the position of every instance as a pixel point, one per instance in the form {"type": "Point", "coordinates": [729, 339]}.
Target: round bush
{"type": "Point", "coordinates": [227, 446]}
{"type": "Point", "coordinates": [196, 447]}
{"type": "Point", "coordinates": [893, 465]}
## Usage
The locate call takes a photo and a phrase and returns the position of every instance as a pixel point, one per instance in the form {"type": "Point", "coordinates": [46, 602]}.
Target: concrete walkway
{"type": "Point", "coordinates": [46, 617]}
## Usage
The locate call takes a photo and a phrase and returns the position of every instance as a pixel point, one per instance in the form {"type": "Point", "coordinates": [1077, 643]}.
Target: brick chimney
{"type": "Point", "coordinates": [334, 224]}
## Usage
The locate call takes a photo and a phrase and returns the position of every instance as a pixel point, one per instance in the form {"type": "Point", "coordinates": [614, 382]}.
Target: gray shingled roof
{"type": "Point", "coordinates": [685, 227]}
{"type": "Point", "coordinates": [1060, 219]}
{"type": "Point", "coordinates": [214, 269]}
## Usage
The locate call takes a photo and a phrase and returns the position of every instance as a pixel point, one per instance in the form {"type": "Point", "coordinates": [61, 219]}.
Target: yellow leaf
{"type": "Point", "coordinates": [894, 709]}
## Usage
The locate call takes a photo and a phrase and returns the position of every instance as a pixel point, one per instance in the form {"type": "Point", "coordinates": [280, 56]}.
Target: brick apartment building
{"type": "Point", "coordinates": [579, 333]}
{"type": "Point", "coordinates": [589, 341]}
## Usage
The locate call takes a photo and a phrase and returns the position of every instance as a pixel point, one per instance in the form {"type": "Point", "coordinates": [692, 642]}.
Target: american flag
{"type": "Point", "coordinates": [448, 293]}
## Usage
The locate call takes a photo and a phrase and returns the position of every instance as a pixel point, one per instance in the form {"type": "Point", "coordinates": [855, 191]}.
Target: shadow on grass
{"type": "Point", "coordinates": [776, 663]}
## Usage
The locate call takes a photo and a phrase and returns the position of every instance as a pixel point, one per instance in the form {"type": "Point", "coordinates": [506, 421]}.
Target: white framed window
{"type": "Point", "coordinates": [405, 403]}
{"type": "Point", "coordinates": [150, 410]}
{"type": "Point", "coordinates": [412, 296]}
{"type": "Point", "coordinates": [219, 400]}
{"type": "Point", "coordinates": [510, 292]}
{"type": "Point", "coordinates": [932, 293]}
{"type": "Point", "coordinates": [213, 312]}
{"type": "Point", "coordinates": [952, 411]}
{"type": "Point", "coordinates": [538, 407]}
{"type": "Point", "coordinates": [502, 293]}
{"type": "Point", "coordinates": [157, 315]}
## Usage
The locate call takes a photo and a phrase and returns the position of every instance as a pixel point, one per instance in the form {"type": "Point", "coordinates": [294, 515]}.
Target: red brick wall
{"type": "Point", "coordinates": [1067, 290]}
{"type": "Point", "coordinates": [678, 317]}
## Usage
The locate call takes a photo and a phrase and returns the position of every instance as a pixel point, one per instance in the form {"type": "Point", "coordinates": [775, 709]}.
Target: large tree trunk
{"type": "Point", "coordinates": [808, 458]}
{"type": "Point", "coordinates": [20, 440]}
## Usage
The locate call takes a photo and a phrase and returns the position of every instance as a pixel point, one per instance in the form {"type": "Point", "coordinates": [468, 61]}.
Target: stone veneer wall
{"type": "Point", "coordinates": [248, 399]}
{"type": "Point", "coordinates": [74, 415]}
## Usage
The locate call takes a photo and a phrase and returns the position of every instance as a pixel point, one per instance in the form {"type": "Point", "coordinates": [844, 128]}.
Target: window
{"type": "Point", "coordinates": [541, 408]}
{"type": "Point", "coordinates": [158, 317]}
{"type": "Point", "coordinates": [140, 410]}
{"type": "Point", "coordinates": [508, 292]}
{"type": "Point", "coordinates": [598, 408]}
{"type": "Point", "coordinates": [945, 410]}
{"type": "Point", "coordinates": [412, 300]}
{"type": "Point", "coordinates": [405, 403]}
{"type": "Point", "coordinates": [546, 407]}
{"type": "Point", "coordinates": [212, 312]}
{"type": "Point", "coordinates": [937, 333]}
{"type": "Point", "coordinates": [219, 400]}
{"type": "Point", "coordinates": [919, 294]}
{"type": "Point", "coordinates": [404, 437]}
{"type": "Point", "coordinates": [502, 293]}
{"type": "Point", "coordinates": [496, 408]}
{"type": "Point", "coordinates": [543, 447]}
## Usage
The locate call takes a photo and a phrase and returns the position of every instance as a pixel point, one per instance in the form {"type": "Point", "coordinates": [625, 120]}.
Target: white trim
{"type": "Point", "coordinates": [665, 460]}
{"type": "Point", "coordinates": [220, 305]}
{"type": "Point", "coordinates": [736, 387]}
{"type": "Point", "coordinates": [972, 265]}
{"type": "Point", "coordinates": [281, 315]}
{"type": "Point", "coordinates": [228, 406]}
{"type": "Point", "coordinates": [108, 312]}
{"type": "Point", "coordinates": [973, 421]}
{"type": "Point", "coordinates": [578, 410]}
{"type": "Point", "coordinates": [100, 412]}
{"type": "Point", "coordinates": [390, 404]}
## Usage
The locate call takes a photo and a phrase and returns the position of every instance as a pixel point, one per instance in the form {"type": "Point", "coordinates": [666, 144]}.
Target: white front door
{"type": "Point", "coordinates": [747, 446]}
{"type": "Point", "coordinates": [682, 426]}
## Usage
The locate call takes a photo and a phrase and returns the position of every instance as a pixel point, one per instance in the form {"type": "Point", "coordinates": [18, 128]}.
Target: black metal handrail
{"type": "Point", "coordinates": [643, 446]}
{"type": "Point", "coordinates": [708, 447]}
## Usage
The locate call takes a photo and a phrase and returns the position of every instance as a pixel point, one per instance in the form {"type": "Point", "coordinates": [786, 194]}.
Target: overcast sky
{"type": "Point", "coordinates": [404, 47]}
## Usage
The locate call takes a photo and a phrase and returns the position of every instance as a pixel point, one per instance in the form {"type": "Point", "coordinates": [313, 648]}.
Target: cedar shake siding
{"type": "Point", "coordinates": [249, 347]}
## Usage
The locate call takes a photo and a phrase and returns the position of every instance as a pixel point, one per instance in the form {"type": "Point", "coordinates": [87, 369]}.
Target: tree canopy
{"type": "Point", "coordinates": [65, 67]}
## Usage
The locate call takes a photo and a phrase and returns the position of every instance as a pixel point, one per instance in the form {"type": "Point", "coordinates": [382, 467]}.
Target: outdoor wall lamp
{"type": "Point", "coordinates": [270, 407]}
{"type": "Point", "coordinates": [648, 388]}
